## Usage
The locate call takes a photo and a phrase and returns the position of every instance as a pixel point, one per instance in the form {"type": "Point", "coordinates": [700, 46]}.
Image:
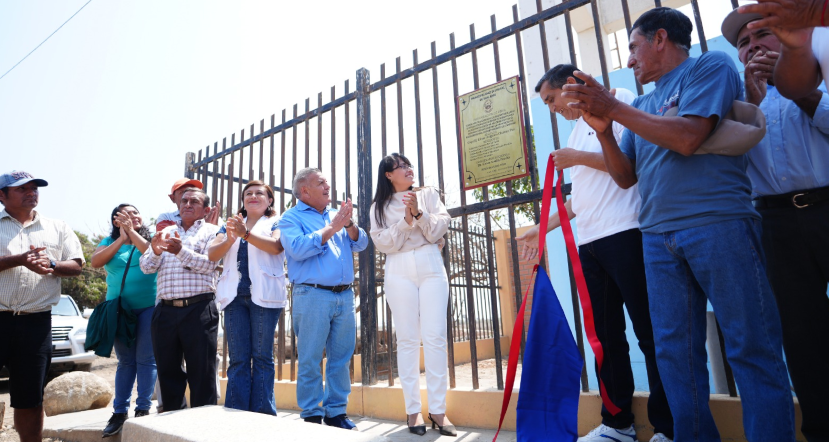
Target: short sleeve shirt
{"type": "Point", "coordinates": [680, 192]}
{"type": "Point", "coordinates": [21, 289]}
{"type": "Point", "coordinates": [139, 288]}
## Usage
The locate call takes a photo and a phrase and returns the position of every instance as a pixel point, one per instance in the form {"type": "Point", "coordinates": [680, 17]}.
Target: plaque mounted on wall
{"type": "Point", "coordinates": [493, 140]}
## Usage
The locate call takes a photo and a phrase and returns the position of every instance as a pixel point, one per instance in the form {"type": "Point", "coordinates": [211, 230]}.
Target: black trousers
{"type": "Point", "coordinates": [796, 242]}
{"type": "Point", "coordinates": [614, 270]}
{"type": "Point", "coordinates": [190, 332]}
{"type": "Point", "coordinates": [26, 349]}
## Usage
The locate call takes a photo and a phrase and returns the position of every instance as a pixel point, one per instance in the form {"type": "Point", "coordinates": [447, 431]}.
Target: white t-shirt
{"type": "Point", "coordinates": [820, 47]}
{"type": "Point", "coordinates": [602, 208]}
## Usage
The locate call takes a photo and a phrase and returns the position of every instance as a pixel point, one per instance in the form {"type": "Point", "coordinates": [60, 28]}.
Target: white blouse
{"type": "Point", "coordinates": [398, 236]}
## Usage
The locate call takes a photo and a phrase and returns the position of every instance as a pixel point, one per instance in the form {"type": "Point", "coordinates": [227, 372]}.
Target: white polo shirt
{"type": "Point", "coordinates": [602, 208]}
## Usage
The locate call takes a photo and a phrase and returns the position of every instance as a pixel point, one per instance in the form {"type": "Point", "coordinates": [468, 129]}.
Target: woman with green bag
{"type": "Point", "coordinates": [119, 254]}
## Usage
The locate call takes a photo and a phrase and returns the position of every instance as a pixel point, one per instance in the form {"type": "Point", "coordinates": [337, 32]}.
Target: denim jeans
{"type": "Point", "coordinates": [797, 249]}
{"type": "Point", "coordinates": [250, 330]}
{"type": "Point", "coordinates": [137, 361]}
{"type": "Point", "coordinates": [614, 270]}
{"type": "Point", "coordinates": [323, 320]}
{"type": "Point", "coordinates": [723, 263]}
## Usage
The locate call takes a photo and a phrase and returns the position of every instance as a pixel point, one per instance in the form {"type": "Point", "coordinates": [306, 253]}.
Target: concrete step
{"type": "Point", "coordinates": [208, 424]}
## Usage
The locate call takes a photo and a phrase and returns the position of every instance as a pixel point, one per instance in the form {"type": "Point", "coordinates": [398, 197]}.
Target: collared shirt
{"type": "Point", "coordinates": [794, 154]}
{"type": "Point", "coordinates": [22, 290]}
{"type": "Point", "coordinates": [190, 272]}
{"type": "Point", "coordinates": [309, 260]}
{"type": "Point", "coordinates": [173, 216]}
{"type": "Point", "coordinates": [680, 192]}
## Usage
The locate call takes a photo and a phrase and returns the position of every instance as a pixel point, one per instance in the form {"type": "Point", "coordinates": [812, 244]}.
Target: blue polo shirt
{"type": "Point", "coordinates": [309, 260]}
{"type": "Point", "coordinates": [680, 192]}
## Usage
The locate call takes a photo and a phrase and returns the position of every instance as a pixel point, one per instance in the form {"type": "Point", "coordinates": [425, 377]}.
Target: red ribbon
{"type": "Point", "coordinates": [581, 285]}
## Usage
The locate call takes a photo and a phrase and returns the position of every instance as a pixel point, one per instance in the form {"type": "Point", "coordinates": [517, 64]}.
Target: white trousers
{"type": "Point", "coordinates": [417, 291]}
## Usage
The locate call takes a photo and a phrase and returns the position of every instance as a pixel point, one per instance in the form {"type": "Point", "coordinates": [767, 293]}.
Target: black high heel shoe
{"type": "Point", "coordinates": [419, 430]}
{"type": "Point", "coordinates": [446, 430]}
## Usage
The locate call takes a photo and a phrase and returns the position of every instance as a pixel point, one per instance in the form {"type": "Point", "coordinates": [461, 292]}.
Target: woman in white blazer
{"type": "Point", "coordinates": [408, 226]}
{"type": "Point", "coordinates": [252, 294]}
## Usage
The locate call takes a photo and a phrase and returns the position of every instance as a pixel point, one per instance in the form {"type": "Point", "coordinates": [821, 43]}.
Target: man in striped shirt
{"type": "Point", "coordinates": [35, 252]}
{"type": "Point", "coordinates": [186, 321]}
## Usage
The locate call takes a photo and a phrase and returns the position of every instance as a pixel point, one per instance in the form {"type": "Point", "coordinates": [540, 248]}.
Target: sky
{"type": "Point", "coordinates": [108, 107]}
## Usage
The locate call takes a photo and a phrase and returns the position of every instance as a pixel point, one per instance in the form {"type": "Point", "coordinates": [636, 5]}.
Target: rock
{"type": "Point", "coordinates": [76, 391]}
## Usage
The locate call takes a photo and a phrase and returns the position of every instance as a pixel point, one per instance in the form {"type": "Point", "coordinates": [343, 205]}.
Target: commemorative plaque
{"type": "Point", "coordinates": [493, 143]}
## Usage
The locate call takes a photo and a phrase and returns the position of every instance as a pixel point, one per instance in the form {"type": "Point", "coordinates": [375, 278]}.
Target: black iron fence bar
{"type": "Point", "coordinates": [473, 353]}
{"type": "Point", "coordinates": [334, 197]}
{"type": "Point", "coordinates": [222, 185]}
{"type": "Point", "coordinates": [496, 320]}
{"type": "Point", "coordinates": [319, 138]}
{"type": "Point", "coordinates": [271, 177]}
{"type": "Point", "coordinates": [293, 159]}
{"type": "Point", "coordinates": [626, 13]}
{"type": "Point", "coordinates": [347, 158]}
{"type": "Point", "coordinates": [400, 139]}
{"type": "Point", "coordinates": [241, 164]}
{"type": "Point", "coordinates": [734, 4]}
{"type": "Point", "coordinates": [501, 203]}
{"type": "Point", "coordinates": [698, 22]}
{"type": "Point", "coordinates": [597, 25]}
{"type": "Point", "coordinates": [282, 169]}
{"type": "Point", "coordinates": [214, 186]}
{"type": "Point", "coordinates": [383, 141]}
{"type": "Point", "coordinates": [418, 131]}
{"type": "Point", "coordinates": [368, 294]}
{"type": "Point", "coordinates": [657, 3]}
{"type": "Point", "coordinates": [306, 124]}
{"type": "Point", "coordinates": [519, 49]}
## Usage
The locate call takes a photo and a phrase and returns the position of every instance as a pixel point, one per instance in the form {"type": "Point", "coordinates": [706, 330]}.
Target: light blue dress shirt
{"type": "Point", "coordinates": [309, 260]}
{"type": "Point", "coordinates": [794, 154]}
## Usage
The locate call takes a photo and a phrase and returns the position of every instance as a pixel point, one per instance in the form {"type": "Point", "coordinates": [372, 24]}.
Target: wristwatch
{"type": "Point", "coordinates": [350, 224]}
{"type": "Point", "coordinates": [419, 214]}
{"type": "Point", "coordinates": [52, 264]}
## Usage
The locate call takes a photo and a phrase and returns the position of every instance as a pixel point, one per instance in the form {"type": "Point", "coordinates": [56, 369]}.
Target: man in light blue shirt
{"type": "Point", "coordinates": [700, 232]}
{"type": "Point", "coordinates": [789, 171]}
{"type": "Point", "coordinates": [319, 244]}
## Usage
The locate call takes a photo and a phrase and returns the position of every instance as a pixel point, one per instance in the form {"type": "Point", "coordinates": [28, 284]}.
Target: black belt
{"type": "Point", "coordinates": [331, 288]}
{"type": "Point", "coordinates": [184, 302]}
{"type": "Point", "coordinates": [799, 199]}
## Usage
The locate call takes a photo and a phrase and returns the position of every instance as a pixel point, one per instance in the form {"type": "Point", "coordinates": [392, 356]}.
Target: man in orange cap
{"type": "Point", "coordinates": [179, 187]}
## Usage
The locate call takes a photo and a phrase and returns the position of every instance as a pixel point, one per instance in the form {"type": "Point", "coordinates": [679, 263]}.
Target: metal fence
{"type": "Point", "coordinates": [412, 111]}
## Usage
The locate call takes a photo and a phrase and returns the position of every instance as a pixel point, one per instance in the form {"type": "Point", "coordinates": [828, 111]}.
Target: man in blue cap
{"type": "Point", "coordinates": [35, 252]}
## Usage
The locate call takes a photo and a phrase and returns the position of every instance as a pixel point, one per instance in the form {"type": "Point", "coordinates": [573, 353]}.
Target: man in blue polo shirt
{"type": "Point", "coordinates": [701, 235]}
{"type": "Point", "coordinates": [789, 171]}
{"type": "Point", "coordinates": [319, 243]}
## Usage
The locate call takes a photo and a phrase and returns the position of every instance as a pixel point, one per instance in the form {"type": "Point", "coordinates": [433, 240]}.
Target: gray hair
{"type": "Point", "coordinates": [300, 178]}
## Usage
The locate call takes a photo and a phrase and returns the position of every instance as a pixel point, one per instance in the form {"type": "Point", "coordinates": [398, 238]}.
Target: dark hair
{"type": "Point", "coordinates": [676, 24]}
{"type": "Point", "coordinates": [557, 77]}
{"type": "Point", "coordinates": [270, 210]}
{"type": "Point", "coordinates": [385, 189]}
{"type": "Point", "coordinates": [144, 232]}
{"type": "Point", "coordinates": [197, 190]}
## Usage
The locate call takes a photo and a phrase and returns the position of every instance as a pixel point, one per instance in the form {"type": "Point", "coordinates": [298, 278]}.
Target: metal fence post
{"type": "Point", "coordinates": [189, 162]}
{"type": "Point", "coordinates": [368, 292]}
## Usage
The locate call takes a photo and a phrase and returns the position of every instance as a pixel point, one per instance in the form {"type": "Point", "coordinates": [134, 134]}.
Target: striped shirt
{"type": "Point", "coordinates": [190, 272]}
{"type": "Point", "coordinates": [22, 290]}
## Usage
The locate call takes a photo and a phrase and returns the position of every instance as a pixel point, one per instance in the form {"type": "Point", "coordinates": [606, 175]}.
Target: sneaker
{"type": "Point", "coordinates": [603, 433]}
{"type": "Point", "coordinates": [659, 437]}
{"type": "Point", "coordinates": [313, 419]}
{"type": "Point", "coordinates": [341, 421]}
{"type": "Point", "coordinates": [115, 424]}
{"type": "Point", "coordinates": [140, 413]}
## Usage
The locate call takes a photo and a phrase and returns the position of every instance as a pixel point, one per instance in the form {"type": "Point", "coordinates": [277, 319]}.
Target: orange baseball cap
{"type": "Point", "coordinates": [185, 182]}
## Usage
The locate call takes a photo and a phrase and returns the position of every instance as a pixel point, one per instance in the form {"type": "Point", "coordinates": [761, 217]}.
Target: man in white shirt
{"type": "Point", "coordinates": [610, 249]}
{"type": "Point", "coordinates": [35, 252]}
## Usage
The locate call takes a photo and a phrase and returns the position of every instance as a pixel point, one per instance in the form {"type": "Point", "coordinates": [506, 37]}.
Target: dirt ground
{"type": "Point", "coordinates": [104, 367]}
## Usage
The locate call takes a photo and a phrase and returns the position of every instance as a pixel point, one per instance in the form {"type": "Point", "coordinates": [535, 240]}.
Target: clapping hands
{"type": "Point", "coordinates": [343, 216]}
{"type": "Point", "coordinates": [236, 227]}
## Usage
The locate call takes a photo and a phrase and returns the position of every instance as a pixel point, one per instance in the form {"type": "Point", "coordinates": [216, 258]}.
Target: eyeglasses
{"type": "Point", "coordinates": [402, 166]}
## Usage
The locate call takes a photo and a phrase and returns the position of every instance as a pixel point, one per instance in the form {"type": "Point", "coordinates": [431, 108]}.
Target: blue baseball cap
{"type": "Point", "coordinates": [17, 178]}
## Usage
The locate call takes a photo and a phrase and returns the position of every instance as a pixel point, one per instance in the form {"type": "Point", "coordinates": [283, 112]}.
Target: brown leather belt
{"type": "Point", "coordinates": [184, 302]}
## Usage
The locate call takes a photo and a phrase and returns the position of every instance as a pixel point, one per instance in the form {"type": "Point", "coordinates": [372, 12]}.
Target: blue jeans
{"type": "Point", "coordinates": [323, 320]}
{"type": "Point", "coordinates": [250, 330]}
{"type": "Point", "coordinates": [724, 264]}
{"type": "Point", "coordinates": [137, 361]}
